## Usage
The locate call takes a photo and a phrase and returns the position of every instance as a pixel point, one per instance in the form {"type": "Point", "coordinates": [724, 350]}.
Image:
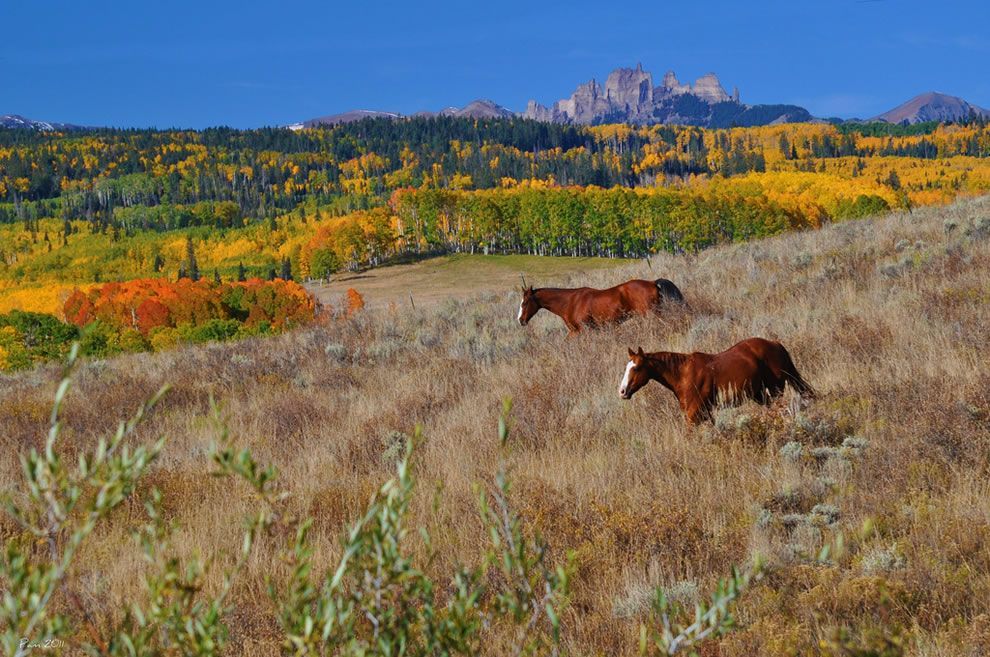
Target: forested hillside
{"type": "Point", "coordinates": [85, 208]}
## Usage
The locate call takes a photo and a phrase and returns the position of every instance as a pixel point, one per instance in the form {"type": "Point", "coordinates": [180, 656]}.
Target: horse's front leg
{"type": "Point", "coordinates": [695, 415]}
{"type": "Point", "coordinates": [691, 408]}
{"type": "Point", "coordinates": [696, 405]}
{"type": "Point", "coordinates": [576, 324]}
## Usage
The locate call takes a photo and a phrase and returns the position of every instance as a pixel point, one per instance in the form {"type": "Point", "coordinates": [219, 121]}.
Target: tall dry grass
{"type": "Point", "coordinates": [887, 318]}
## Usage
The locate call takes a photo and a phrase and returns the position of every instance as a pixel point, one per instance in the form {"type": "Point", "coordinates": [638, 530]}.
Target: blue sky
{"type": "Point", "coordinates": [247, 64]}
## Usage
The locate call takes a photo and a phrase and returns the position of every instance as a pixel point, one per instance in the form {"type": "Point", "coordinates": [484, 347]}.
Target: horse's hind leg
{"type": "Point", "coordinates": [772, 391]}
{"type": "Point", "coordinates": [788, 372]}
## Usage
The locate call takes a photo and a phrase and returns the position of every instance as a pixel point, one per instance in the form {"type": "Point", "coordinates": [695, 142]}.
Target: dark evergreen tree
{"type": "Point", "coordinates": [893, 180]}
{"type": "Point", "coordinates": [192, 267]}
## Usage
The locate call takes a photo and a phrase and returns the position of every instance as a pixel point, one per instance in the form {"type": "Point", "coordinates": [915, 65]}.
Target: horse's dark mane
{"type": "Point", "coordinates": [668, 358]}
{"type": "Point", "coordinates": [556, 291]}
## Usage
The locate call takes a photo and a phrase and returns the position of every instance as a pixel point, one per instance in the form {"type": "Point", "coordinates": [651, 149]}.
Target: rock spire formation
{"type": "Point", "coordinates": [629, 95]}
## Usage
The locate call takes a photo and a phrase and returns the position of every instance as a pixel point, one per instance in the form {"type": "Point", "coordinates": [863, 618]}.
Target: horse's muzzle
{"type": "Point", "coordinates": [625, 394]}
{"type": "Point", "coordinates": [523, 322]}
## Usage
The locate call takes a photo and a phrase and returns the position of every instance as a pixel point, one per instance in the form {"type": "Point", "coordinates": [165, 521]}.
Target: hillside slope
{"type": "Point", "coordinates": [888, 318]}
{"type": "Point", "coordinates": [932, 106]}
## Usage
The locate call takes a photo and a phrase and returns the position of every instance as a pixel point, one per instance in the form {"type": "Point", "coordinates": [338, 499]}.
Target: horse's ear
{"type": "Point", "coordinates": [631, 352]}
{"type": "Point", "coordinates": [640, 353]}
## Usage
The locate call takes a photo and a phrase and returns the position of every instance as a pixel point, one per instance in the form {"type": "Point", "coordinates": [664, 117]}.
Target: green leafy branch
{"type": "Point", "coordinates": [178, 615]}
{"type": "Point", "coordinates": [60, 508]}
{"type": "Point", "coordinates": [710, 620]}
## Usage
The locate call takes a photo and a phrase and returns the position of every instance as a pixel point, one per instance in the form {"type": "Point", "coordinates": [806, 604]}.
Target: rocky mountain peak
{"type": "Point", "coordinates": [629, 88]}
{"type": "Point", "coordinates": [709, 89]}
{"type": "Point", "coordinates": [630, 97]}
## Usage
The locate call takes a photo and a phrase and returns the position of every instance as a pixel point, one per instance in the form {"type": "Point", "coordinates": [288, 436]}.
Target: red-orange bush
{"type": "Point", "coordinates": [145, 304]}
{"type": "Point", "coordinates": [355, 302]}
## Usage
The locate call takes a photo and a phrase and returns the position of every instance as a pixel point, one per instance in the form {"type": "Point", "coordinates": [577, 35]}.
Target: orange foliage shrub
{"type": "Point", "coordinates": [146, 304]}
{"type": "Point", "coordinates": [355, 302]}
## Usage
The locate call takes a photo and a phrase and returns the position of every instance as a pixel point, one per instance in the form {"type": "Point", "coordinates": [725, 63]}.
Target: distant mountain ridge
{"type": "Point", "coordinates": [476, 109]}
{"type": "Point", "coordinates": [932, 106]}
{"type": "Point", "coordinates": [344, 117]}
{"type": "Point", "coordinates": [18, 121]}
{"type": "Point", "coordinates": [629, 96]}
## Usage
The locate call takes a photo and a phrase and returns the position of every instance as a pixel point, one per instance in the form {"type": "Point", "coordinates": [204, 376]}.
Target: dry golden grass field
{"type": "Point", "coordinates": [888, 319]}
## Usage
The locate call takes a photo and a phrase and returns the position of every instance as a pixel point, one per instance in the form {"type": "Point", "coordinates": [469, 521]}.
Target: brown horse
{"type": "Point", "coordinates": [752, 369]}
{"type": "Point", "coordinates": [585, 306]}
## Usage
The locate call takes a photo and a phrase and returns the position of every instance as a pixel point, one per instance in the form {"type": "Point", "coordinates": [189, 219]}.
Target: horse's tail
{"type": "Point", "coordinates": [794, 377]}
{"type": "Point", "coordinates": [668, 291]}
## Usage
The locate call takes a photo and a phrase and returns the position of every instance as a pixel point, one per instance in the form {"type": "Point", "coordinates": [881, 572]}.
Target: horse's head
{"type": "Point", "coordinates": [528, 306]}
{"type": "Point", "coordinates": [636, 375]}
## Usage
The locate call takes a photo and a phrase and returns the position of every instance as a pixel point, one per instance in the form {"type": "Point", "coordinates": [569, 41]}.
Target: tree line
{"type": "Point", "coordinates": [106, 177]}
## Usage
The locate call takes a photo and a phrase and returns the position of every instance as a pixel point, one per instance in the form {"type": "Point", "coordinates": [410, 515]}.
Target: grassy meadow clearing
{"type": "Point", "coordinates": [887, 318]}
{"type": "Point", "coordinates": [459, 276]}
